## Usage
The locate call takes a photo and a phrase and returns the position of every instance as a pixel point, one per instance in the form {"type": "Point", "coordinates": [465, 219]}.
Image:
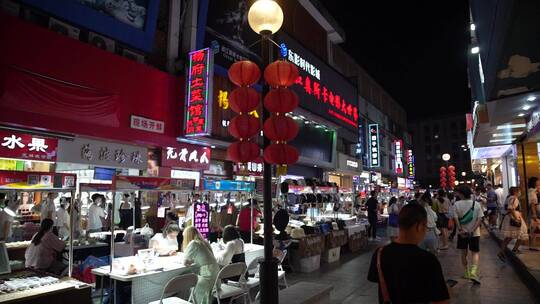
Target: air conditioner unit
{"type": "Point", "coordinates": [133, 55]}
{"type": "Point", "coordinates": [64, 28]}
{"type": "Point", "coordinates": [101, 42]}
{"type": "Point", "coordinates": [11, 8]}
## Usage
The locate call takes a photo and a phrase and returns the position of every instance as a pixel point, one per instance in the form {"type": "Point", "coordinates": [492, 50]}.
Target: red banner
{"type": "Point", "coordinates": [26, 146]}
{"type": "Point", "coordinates": [37, 180]}
{"type": "Point", "coordinates": [186, 156]}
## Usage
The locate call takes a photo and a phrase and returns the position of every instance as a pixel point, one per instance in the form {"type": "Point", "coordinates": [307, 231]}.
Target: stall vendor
{"type": "Point", "coordinates": [62, 219]}
{"type": "Point", "coordinates": [48, 210]}
{"type": "Point", "coordinates": [96, 214]}
{"type": "Point", "coordinates": [7, 215]}
{"type": "Point", "coordinates": [42, 252]}
{"type": "Point", "coordinates": [166, 243]}
{"type": "Point", "coordinates": [244, 220]}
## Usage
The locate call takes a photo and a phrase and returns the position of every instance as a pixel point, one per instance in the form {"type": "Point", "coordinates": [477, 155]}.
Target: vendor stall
{"type": "Point", "coordinates": [26, 285]}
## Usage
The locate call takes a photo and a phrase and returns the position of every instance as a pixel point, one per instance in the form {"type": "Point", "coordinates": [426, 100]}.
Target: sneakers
{"type": "Point", "coordinates": [473, 274]}
{"type": "Point", "coordinates": [466, 274]}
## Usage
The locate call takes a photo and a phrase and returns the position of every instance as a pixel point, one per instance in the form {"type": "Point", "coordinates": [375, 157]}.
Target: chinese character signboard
{"type": "Point", "coordinates": [26, 146]}
{"type": "Point", "coordinates": [410, 164]}
{"type": "Point", "coordinates": [145, 124]}
{"type": "Point", "coordinates": [186, 156]}
{"type": "Point", "coordinates": [250, 168]}
{"type": "Point", "coordinates": [201, 218]}
{"type": "Point", "coordinates": [102, 153]}
{"type": "Point", "coordinates": [374, 145]}
{"type": "Point", "coordinates": [199, 93]}
{"type": "Point", "coordinates": [398, 146]}
{"type": "Point", "coordinates": [321, 89]}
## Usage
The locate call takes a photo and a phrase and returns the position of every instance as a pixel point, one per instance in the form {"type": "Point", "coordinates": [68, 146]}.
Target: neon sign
{"type": "Point", "coordinates": [199, 93]}
{"type": "Point", "coordinates": [410, 164]}
{"type": "Point", "coordinates": [398, 144]}
{"type": "Point", "coordinates": [201, 218]}
{"type": "Point", "coordinates": [321, 89]}
{"type": "Point", "coordinates": [374, 145]}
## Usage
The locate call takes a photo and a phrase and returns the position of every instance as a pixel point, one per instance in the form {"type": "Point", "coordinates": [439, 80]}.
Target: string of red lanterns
{"type": "Point", "coordinates": [244, 100]}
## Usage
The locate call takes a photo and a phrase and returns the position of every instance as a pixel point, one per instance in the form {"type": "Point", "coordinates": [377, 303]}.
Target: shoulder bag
{"type": "Point", "coordinates": [468, 216]}
{"type": "Point", "coordinates": [382, 282]}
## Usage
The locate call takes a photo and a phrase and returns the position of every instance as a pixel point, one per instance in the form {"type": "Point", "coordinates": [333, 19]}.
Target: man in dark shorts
{"type": "Point", "coordinates": [468, 216]}
{"type": "Point", "coordinates": [407, 273]}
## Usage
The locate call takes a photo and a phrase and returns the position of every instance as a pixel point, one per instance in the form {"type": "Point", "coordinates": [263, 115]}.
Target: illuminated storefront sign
{"type": "Point", "coordinates": [374, 145]}
{"type": "Point", "coordinates": [199, 93]}
{"type": "Point", "coordinates": [25, 146]}
{"type": "Point", "coordinates": [535, 119]}
{"type": "Point", "coordinates": [410, 164]}
{"type": "Point", "coordinates": [321, 89]}
{"type": "Point", "coordinates": [352, 163]}
{"type": "Point", "coordinates": [186, 156]}
{"type": "Point", "coordinates": [398, 144]}
{"type": "Point", "coordinates": [223, 103]}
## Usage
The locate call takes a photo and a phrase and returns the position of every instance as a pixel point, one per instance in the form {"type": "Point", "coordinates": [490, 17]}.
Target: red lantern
{"type": "Point", "coordinates": [443, 179]}
{"type": "Point", "coordinates": [451, 173]}
{"type": "Point", "coordinates": [280, 154]}
{"type": "Point", "coordinates": [280, 100]}
{"type": "Point", "coordinates": [280, 128]}
{"type": "Point", "coordinates": [244, 126]}
{"type": "Point", "coordinates": [442, 173]}
{"type": "Point", "coordinates": [443, 185]}
{"type": "Point", "coordinates": [442, 169]}
{"type": "Point", "coordinates": [452, 180]}
{"type": "Point", "coordinates": [451, 168]}
{"type": "Point", "coordinates": [244, 73]}
{"type": "Point", "coordinates": [243, 151]}
{"type": "Point", "coordinates": [280, 74]}
{"type": "Point", "coordinates": [244, 100]}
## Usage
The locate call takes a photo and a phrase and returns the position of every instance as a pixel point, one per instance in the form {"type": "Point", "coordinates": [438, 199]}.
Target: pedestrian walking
{"type": "Point", "coordinates": [468, 217]}
{"type": "Point", "coordinates": [513, 224]}
{"type": "Point", "coordinates": [430, 242]}
{"type": "Point", "coordinates": [533, 188]}
{"type": "Point", "coordinates": [394, 206]}
{"type": "Point", "coordinates": [491, 204]}
{"type": "Point", "coordinates": [442, 217]}
{"type": "Point", "coordinates": [405, 273]}
{"type": "Point", "coordinates": [451, 212]}
{"type": "Point", "coordinates": [372, 205]}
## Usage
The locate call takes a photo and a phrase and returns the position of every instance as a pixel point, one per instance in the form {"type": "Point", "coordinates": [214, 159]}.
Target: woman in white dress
{"type": "Point", "coordinates": [513, 225]}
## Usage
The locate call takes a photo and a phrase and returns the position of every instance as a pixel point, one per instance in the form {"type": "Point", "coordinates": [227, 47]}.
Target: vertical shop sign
{"type": "Point", "coordinates": [199, 93]}
{"type": "Point", "coordinates": [201, 218]}
{"type": "Point", "coordinates": [374, 145]}
{"type": "Point", "coordinates": [410, 164]}
{"type": "Point", "coordinates": [398, 144]}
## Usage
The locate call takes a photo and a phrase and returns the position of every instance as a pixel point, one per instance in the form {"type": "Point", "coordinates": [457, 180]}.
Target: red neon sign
{"type": "Point", "coordinates": [199, 93]}
{"type": "Point", "coordinates": [338, 107]}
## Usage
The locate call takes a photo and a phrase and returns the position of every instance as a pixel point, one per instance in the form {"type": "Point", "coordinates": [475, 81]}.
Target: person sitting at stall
{"type": "Point", "coordinates": [234, 248]}
{"type": "Point", "coordinates": [244, 220]}
{"type": "Point", "coordinates": [62, 220]}
{"type": "Point", "coordinates": [7, 216]}
{"type": "Point", "coordinates": [96, 214]}
{"type": "Point", "coordinates": [125, 202]}
{"type": "Point", "coordinates": [198, 251]}
{"type": "Point", "coordinates": [166, 243]}
{"type": "Point", "coordinates": [43, 250]}
{"type": "Point", "coordinates": [172, 218]}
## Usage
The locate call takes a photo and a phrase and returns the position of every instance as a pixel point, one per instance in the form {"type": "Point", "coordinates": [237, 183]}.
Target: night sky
{"type": "Point", "coordinates": [416, 50]}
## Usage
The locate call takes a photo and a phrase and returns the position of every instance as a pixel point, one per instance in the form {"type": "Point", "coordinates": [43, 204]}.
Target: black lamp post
{"type": "Point", "coordinates": [265, 17]}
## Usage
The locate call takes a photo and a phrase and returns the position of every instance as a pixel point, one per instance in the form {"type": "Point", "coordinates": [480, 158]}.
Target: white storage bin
{"type": "Point", "coordinates": [331, 255]}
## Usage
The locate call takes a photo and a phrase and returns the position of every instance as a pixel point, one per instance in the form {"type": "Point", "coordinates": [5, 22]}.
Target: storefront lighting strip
{"type": "Point", "coordinates": [29, 160]}
{"type": "Point", "coordinates": [509, 140]}
{"type": "Point", "coordinates": [506, 134]}
{"type": "Point", "coordinates": [511, 126]}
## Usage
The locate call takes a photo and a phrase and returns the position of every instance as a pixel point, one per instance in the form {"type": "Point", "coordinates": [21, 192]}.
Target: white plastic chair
{"type": "Point", "coordinates": [226, 291]}
{"type": "Point", "coordinates": [281, 272]}
{"type": "Point", "coordinates": [247, 280]}
{"type": "Point", "coordinates": [176, 285]}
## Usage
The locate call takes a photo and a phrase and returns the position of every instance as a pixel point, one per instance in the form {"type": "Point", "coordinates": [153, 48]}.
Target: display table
{"type": "Point", "coordinates": [353, 229]}
{"type": "Point", "coordinates": [65, 290]}
{"type": "Point", "coordinates": [147, 286]}
{"type": "Point", "coordinates": [103, 235]}
{"type": "Point", "coordinates": [16, 250]}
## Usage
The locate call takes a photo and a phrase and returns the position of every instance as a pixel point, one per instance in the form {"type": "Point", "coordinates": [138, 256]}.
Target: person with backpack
{"type": "Point", "coordinates": [468, 217]}
{"type": "Point", "coordinates": [513, 224]}
{"type": "Point", "coordinates": [418, 280]}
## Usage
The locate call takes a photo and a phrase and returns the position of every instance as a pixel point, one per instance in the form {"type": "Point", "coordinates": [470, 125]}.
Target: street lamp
{"type": "Point", "coordinates": [463, 174]}
{"type": "Point", "coordinates": [446, 157]}
{"type": "Point", "coordinates": [265, 18]}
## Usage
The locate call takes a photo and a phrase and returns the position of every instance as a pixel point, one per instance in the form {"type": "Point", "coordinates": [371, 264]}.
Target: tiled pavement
{"type": "Point", "coordinates": [500, 284]}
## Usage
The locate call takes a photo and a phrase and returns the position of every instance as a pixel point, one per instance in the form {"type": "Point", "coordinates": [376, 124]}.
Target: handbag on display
{"type": "Point", "coordinates": [147, 231]}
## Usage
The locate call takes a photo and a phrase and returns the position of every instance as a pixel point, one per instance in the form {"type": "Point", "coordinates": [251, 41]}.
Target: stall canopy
{"type": "Point", "coordinates": [37, 181]}
{"type": "Point", "coordinates": [228, 185]}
